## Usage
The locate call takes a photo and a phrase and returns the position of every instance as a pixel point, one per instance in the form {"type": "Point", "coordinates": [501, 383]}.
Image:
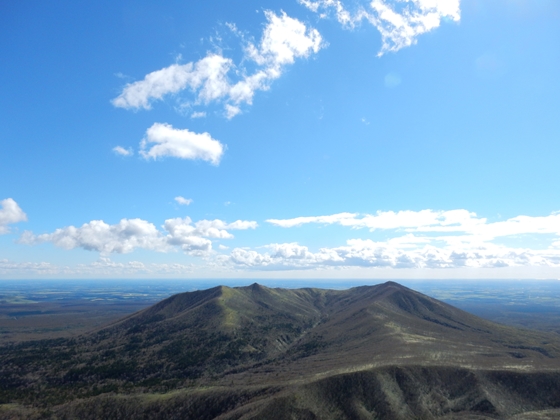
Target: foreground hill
{"type": "Point", "coordinates": [370, 352]}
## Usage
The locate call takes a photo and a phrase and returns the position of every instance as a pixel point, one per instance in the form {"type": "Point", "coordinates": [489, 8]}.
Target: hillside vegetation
{"type": "Point", "coordinates": [372, 352]}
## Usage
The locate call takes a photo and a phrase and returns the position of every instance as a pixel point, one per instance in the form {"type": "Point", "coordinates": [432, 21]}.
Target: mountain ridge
{"type": "Point", "coordinates": [376, 347]}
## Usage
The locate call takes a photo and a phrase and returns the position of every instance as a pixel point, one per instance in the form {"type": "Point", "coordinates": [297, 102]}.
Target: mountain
{"type": "Point", "coordinates": [371, 352]}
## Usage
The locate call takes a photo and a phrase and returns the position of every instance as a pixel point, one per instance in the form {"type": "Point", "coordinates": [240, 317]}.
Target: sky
{"type": "Point", "coordinates": [382, 139]}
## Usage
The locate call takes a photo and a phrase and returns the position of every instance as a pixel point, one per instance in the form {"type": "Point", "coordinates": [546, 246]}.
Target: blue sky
{"type": "Point", "coordinates": [284, 139]}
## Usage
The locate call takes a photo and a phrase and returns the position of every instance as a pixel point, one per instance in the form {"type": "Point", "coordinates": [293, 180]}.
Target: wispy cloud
{"type": "Point", "coordinates": [400, 22]}
{"type": "Point", "coordinates": [163, 140]}
{"type": "Point", "coordinates": [122, 151]}
{"type": "Point", "coordinates": [432, 221]}
{"type": "Point", "coordinates": [199, 114]}
{"type": "Point", "coordinates": [183, 201]}
{"type": "Point", "coordinates": [10, 213]}
{"type": "Point", "coordinates": [284, 39]}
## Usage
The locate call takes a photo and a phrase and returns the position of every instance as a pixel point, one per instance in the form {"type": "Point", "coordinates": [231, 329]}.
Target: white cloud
{"type": "Point", "coordinates": [192, 238]}
{"type": "Point", "coordinates": [421, 239]}
{"type": "Point", "coordinates": [298, 221]}
{"type": "Point", "coordinates": [241, 225]}
{"type": "Point", "coordinates": [400, 22]}
{"type": "Point", "coordinates": [183, 201]}
{"type": "Point", "coordinates": [412, 240]}
{"type": "Point", "coordinates": [198, 114]}
{"type": "Point", "coordinates": [180, 228]}
{"type": "Point", "coordinates": [207, 76]}
{"type": "Point", "coordinates": [427, 220]}
{"type": "Point", "coordinates": [8, 267]}
{"type": "Point", "coordinates": [432, 221]}
{"type": "Point", "coordinates": [396, 253]}
{"type": "Point", "coordinates": [122, 151]}
{"type": "Point", "coordinates": [130, 234]}
{"type": "Point", "coordinates": [10, 213]}
{"type": "Point", "coordinates": [249, 258]}
{"type": "Point", "coordinates": [163, 140]}
{"type": "Point", "coordinates": [284, 39]}
{"type": "Point", "coordinates": [521, 225]}
{"type": "Point", "coordinates": [97, 235]}
{"type": "Point", "coordinates": [231, 111]}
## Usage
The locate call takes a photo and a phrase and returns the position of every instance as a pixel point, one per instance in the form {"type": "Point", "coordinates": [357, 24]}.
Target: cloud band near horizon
{"type": "Point", "coordinates": [425, 239]}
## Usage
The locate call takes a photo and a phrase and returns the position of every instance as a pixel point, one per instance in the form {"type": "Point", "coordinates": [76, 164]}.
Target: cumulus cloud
{"type": "Point", "coordinates": [183, 201]}
{"type": "Point", "coordinates": [249, 258]}
{"type": "Point", "coordinates": [426, 239]}
{"type": "Point", "coordinates": [130, 234]}
{"type": "Point", "coordinates": [97, 235]}
{"type": "Point", "coordinates": [421, 239]}
{"type": "Point", "coordinates": [395, 253]}
{"type": "Point", "coordinates": [184, 228]}
{"type": "Point", "coordinates": [122, 151]}
{"type": "Point", "coordinates": [163, 140]}
{"type": "Point", "coordinates": [284, 39]}
{"type": "Point", "coordinates": [10, 212]}
{"type": "Point", "coordinates": [400, 22]}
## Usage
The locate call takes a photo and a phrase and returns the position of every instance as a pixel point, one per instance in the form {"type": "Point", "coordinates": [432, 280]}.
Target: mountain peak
{"type": "Point", "coordinates": [256, 287]}
{"type": "Point", "coordinates": [392, 285]}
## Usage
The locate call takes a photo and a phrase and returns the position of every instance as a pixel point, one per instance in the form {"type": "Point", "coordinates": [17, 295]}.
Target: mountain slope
{"type": "Point", "coordinates": [381, 351]}
{"type": "Point", "coordinates": [390, 324]}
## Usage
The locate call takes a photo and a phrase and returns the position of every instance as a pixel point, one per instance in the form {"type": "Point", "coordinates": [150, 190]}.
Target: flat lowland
{"type": "Point", "coordinates": [24, 321]}
{"type": "Point", "coordinates": [371, 352]}
{"type": "Point", "coordinates": [35, 310]}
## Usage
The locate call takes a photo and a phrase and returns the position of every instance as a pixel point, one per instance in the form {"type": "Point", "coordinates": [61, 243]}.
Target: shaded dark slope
{"type": "Point", "coordinates": [412, 392]}
{"type": "Point", "coordinates": [390, 324]}
{"type": "Point", "coordinates": [388, 393]}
